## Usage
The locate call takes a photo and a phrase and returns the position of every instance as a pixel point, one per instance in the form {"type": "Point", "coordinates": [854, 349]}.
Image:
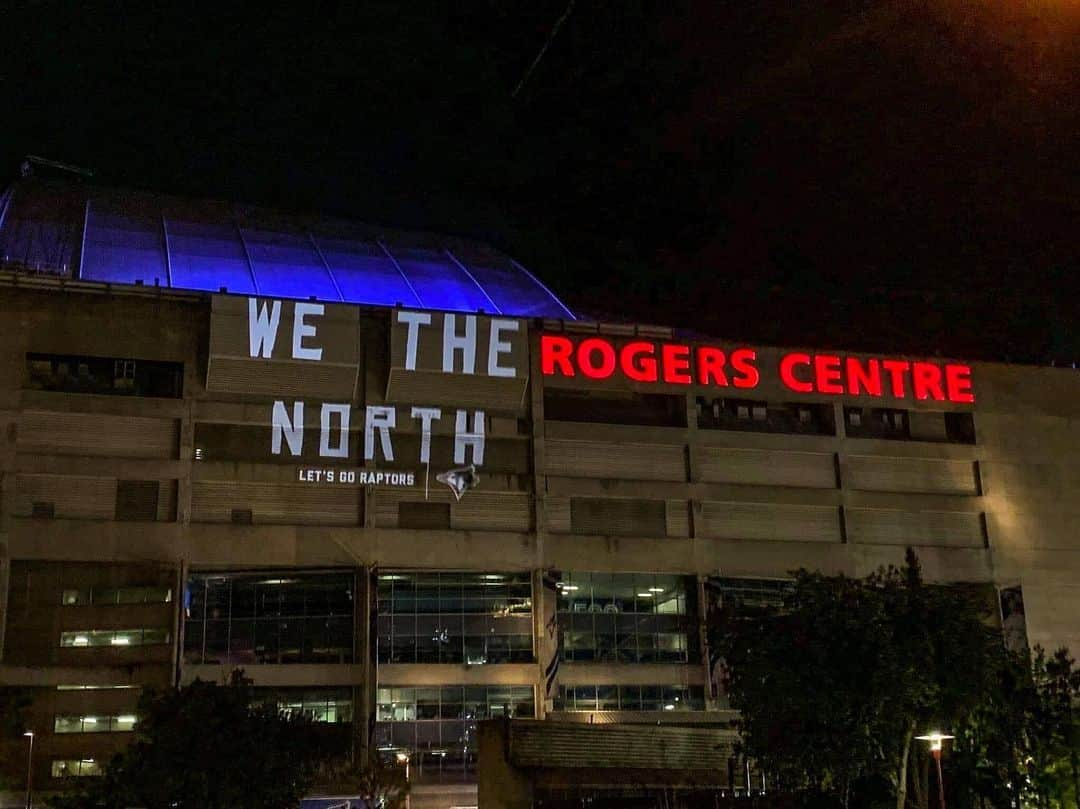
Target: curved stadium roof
{"type": "Point", "coordinates": [125, 237]}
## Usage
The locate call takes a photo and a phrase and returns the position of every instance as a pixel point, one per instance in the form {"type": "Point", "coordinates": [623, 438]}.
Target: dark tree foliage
{"type": "Point", "coordinates": [833, 687]}
{"type": "Point", "coordinates": [378, 783]}
{"type": "Point", "coordinates": [13, 704]}
{"type": "Point", "coordinates": [205, 746]}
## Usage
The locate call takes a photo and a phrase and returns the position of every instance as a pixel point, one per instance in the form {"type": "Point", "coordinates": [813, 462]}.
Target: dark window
{"type": "Point", "coordinates": [878, 422]}
{"type": "Point", "coordinates": [901, 425]}
{"type": "Point", "coordinates": [630, 698]}
{"type": "Point", "coordinates": [472, 618]}
{"type": "Point", "coordinates": [430, 516]}
{"type": "Point", "coordinates": [137, 500]}
{"type": "Point", "coordinates": [323, 705]}
{"type": "Point", "coordinates": [628, 617]}
{"type": "Point", "coordinates": [960, 428]}
{"type": "Point", "coordinates": [437, 726]}
{"type": "Point", "coordinates": [645, 409]}
{"type": "Point", "coordinates": [241, 516]}
{"type": "Point", "coordinates": [746, 415]}
{"type": "Point", "coordinates": [120, 376]}
{"type": "Point", "coordinates": [274, 617]}
{"type": "Point", "coordinates": [43, 510]}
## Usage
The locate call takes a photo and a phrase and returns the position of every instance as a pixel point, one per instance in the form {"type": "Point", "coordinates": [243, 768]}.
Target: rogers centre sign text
{"type": "Point", "coordinates": [682, 364]}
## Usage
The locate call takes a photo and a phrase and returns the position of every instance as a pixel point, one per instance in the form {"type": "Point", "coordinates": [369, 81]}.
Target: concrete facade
{"type": "Point", "coordinates": [136, 491]}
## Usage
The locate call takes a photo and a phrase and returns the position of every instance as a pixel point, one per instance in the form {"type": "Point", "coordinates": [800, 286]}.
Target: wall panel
{"type": "Point", "coordinates": [893, 527]}
{"type": "Point", "coordinates": [731, 520]}
{"type": "Point", "coordinates": [931, 476]}
{"type": "Point", "coordinates": [56, 433]}
{"type": "Point", "coordinates": [588, 459]}
{"type": "Point", "coordinates": [763, 467]}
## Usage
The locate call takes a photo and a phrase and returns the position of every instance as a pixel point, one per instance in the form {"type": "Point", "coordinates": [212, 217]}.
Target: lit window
{"type": "Point", "coordinates": [114, 637]}
{"type": "Point", "coordinates": [75, 768]}
{"type": "Point", "coordinates": [94, 723]}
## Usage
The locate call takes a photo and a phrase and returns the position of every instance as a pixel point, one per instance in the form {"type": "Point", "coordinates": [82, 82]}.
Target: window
{"type": "Point", "coordinates": [43, 510]}
{"type": "Point", "coordinates": [271, 617]}
{"type": "Point", "coordinates": [104, 596]}
{"type": "Point", "coordinates": [628, 617]}
{"type": "Point", "coordinates": [438, 725]}
{"type": "Point", "coordinates": [916, 425]}
{"type": "Point", "coordinates": [118, 376]}
{"type": "Point", "coordinates": [746, 594]}
{"type": "Point", "coordinates": [324, 705]}
{"type": "Point", "coordinates": [810, 418]}
{"type": "Point", "coordinates": [69, 723]}
{"type": "Point", "coordinates": [137, 500]}
{"type": "Point", "coordinates": [960, 428]}
{"type": "Point", "coordinates": [472, 618]}
{"type": "Point", "coordinates": [644, 409]}
{"type": "Point", "coordinates": [630, 698]}
{"type": "Point", "coordinates": [75, 768]}
{"type": "Point", "coordinates": [114, 637]}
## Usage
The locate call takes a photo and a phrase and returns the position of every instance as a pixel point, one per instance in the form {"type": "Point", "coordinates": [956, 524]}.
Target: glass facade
{"type": "Point", "coordinates": [469, 618]}
{"type": "Point", "coordinates": [438, 725]}
{"type": "Point", "coordinates": [742, 595]}
{"type": "Point", "coordinates": [114, 637]}
{"type": "Point", "coordinates": [74, 767]}
{"type": "Point", "coordinates": [269, 618]}
{"type": "Point", "coordinates": [628, 618]}
{"type": "Point", "coordinates": [325, 705]}
{"type": "Point", "coordinates": [630, 698]}
{"type": "Point", "coordinates": [99, 596]}
{"type": "Point", "coordinates": [71, 723]}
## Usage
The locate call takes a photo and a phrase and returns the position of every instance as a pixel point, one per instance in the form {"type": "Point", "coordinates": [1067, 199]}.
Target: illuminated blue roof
{"type": "Point", "coordinates": [125, 237]}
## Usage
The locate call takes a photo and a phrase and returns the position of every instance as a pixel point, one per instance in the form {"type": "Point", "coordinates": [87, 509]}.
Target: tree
{"type": "Point", "coordinates": [833, 686]}
{"type": "Point", "coordinates": [207, 746]}
{"type": "Point", "coordinates": [1052, 741]}
{"type": "Point", "coordinates": [13, 705]}
{"type": "Point", "coordinates": [377, 784]}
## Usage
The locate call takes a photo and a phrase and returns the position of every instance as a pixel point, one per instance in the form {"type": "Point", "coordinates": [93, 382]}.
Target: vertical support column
{"type": "Point", "coordinates": [693, 506]}
{"type": "Point", "coordinates": [187, 441]}
{"type": "Point", "coordinates": [541, 643]}
{"type": "Point", "coordinates": [12, 365]}
{"type": "Point", "coordinates": [366, 646]}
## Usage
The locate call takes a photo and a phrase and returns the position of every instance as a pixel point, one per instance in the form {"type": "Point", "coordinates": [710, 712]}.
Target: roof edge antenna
{"type": "Point", "coordinates": [543, 286]}
{"type": "Point", "coordinates": [472, 278]}
{"type": "Point", "coordinates": [32, 162]}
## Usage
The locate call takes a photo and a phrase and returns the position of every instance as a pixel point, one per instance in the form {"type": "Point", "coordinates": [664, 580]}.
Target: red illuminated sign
{"type": "Point", "coordinates": [801, 372]}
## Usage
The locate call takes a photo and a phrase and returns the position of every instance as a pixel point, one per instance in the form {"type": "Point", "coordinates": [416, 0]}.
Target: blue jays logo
{"type": "Point", "coordinates": [460, 480]}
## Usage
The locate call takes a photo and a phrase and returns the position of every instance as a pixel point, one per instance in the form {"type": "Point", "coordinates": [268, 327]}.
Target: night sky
{"type": "Point", "coordinates": [887, 175]}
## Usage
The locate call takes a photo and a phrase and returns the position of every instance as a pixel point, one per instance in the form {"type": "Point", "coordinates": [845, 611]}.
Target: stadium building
{"type": "Point", "coordinates": [403, 487]}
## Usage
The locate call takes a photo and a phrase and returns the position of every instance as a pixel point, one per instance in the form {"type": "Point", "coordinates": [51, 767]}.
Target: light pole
{"type": "Point", "coordinates": [403, 758]}
{"type": "Point", "coordinates": [936, 738]}
{"type": "Point", "coordinates": [29, 768]}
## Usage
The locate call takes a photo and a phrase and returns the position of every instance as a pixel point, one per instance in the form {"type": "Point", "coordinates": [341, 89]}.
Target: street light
{"type": "Point", "coordinates": [936, 738]}
{"type": "Point", "coordinates": [403, 758]}
{"type": "Point", "coordinates": [29, 767]}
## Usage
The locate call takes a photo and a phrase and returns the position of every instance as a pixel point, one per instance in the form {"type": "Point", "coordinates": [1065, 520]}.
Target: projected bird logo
{"type": "Point", "coordinates": [460, 480]}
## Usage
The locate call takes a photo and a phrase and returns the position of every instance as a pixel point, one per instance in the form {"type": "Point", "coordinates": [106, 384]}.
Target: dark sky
{"type": "Point", "coordinates": [878, 174]}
